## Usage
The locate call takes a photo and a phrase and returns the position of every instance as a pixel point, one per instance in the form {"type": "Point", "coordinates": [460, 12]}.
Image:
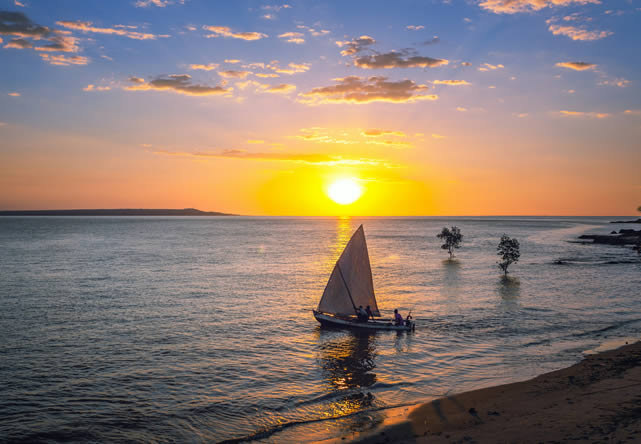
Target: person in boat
{"type": "Point", "coordinates": [368, 310]}
{"type": "Point", "coordinates": [408, 319]}
{"type": "Point", "coordinates": [362, 314]}
{"type": "Point", "coordinates": [398, 319]}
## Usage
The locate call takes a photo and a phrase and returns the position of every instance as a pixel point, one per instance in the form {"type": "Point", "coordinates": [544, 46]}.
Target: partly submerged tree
{"type": "Point", "coordinates": [452, 239]}
{"type": "Point", "coordinates": [509, 251]}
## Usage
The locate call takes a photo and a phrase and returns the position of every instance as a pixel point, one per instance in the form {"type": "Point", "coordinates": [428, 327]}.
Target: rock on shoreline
{"type": "Point", "coordinates": [623, 237]}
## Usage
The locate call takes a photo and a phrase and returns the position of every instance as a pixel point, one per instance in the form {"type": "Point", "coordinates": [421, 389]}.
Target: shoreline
{"type": "Point", "coordinates": [597, 399]}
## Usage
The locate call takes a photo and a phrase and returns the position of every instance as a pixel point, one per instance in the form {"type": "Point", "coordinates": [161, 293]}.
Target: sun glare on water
{"type": "Point", "coordinates": [345, 191]}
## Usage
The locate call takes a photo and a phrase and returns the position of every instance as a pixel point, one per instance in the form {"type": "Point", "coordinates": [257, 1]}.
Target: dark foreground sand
{"type": "Point", "coordinates": [596, 400]}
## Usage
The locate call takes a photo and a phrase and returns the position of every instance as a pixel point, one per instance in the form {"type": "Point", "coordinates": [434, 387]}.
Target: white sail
{"type": "Point", "coordinates": [350, 284]}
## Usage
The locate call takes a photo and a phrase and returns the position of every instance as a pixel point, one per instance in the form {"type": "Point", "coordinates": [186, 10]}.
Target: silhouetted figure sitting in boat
{"type": "Point", "coordinates": [398, 319]}
{"type": "Point", "coordinates": [361, 314]}
{"type": "Point", "coordinates": [408, 320]}
{"type": "Point", "coordinates": [368, 310]}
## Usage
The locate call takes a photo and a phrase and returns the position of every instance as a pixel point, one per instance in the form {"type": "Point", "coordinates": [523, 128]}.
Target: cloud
{"type": "Point", "coordinates": [283, 88]}
{"type": "Point", "coordinates": [62, 60]}
{"type": "Point", "coordinates": [116, 30]}
{"type": "Point", "coordinates": [461, 109]}
{"type": "Point", "coordinates": [177, 83]}
{"type": "Point", "coordinates": [225, 31]}
{"type": "Point", "coordinates": [208, 67]}
{"type": "Point", "coordinates": [380, 132]}
{"type": "Point", "coordinates": [307, 158]}
{"type": "Point", "coordinates": [19, 25]}
{"type": "Point", "coordinates": [292, 68]}
{"type": "Point", "coordinates": [591, 115]}
{"type": "Point", "coordinates": [266, 75]}
{"type": "Point", "coordinates": [466, 64]}
{"type": "Point", "coordinates": [232, 61]}
{"type": "Point", "coordinates": [489, 67]}
{"type": "Point", "coordinates": [577, 66]}
{"type": "Point", "coordinates": [18, 3]}
{"type": "Point", "coordinates": [577, 33]}
{"type": "Point", "coordinates": [521, 115]}
{"type": "Point", "coordinates": [632, 112]}
{"type": "Point", "coordinates": [60, 43]}
{"type": "Point", "coordinates": [92, 87]}
{"type": "Point", "coordinates": [433, 41]}
{"type": "Point", "coordinates": [451, 82]}
{"type": "Point", "coordinates": [358, 90]}
{"type": "Point", "coordinates": [18, 44]}
{"type": "Point", "coordinates": [293, 37]}
{"type": "Point", "coordinates": [146, 3]}
{"type": "Point", "coordinates": [514, 6]}
{"type": "Point", "coordinates": [14, 94]}
{"type": "Point", "coordinates": [438, 136]}
{"type": "Point", "coordinates": [415, 27]}
{"type": "Point", "coordinates": [395, 59]}
{"type": "Point", "coordinates": [343, 137]}
{"type": "Point", "coordinates": [233, 74]}
{"type": "Point", "coordinates": [620, 82]}
{"type": "Point", "coordinates": [314, 32]}
{"type": "Point", "coordinates": [355, 46]}
{"type": "Point", "coordinates": [275, 7]}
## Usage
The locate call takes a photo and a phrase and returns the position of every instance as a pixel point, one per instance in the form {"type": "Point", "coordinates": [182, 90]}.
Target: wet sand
{"type": "Point", "coordinates": [596, 400]}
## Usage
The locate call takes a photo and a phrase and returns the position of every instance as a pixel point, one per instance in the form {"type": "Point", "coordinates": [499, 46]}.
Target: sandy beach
{"type": "Point", "coordinates": [596, 400]}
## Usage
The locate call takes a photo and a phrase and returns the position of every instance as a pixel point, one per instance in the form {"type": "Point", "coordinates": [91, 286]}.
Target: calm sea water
{"type": "Point", "coordinates": [200, 329]}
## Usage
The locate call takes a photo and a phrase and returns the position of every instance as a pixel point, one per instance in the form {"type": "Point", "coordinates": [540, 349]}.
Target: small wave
{"type": "Point", "coordinates": [266, 433]}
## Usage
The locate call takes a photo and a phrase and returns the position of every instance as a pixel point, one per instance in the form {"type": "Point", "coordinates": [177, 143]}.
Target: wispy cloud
{"type": "Point", "coordinates": [116, 30]}
{"type": "Point", "coordinates": [576, 33]}
{"type": "Point", "coordinates": [375, 132]}
{"type": "Point", "coordinates": [62, 60]}
{"type": "Point", "coordinates": [489, 67]}
{"type": "Point", "coordinates": [92, 87]}
{"type": "Point", "coordinates": [415, 27]}
{"type": "Point", "coordinates": [307, 158]}
{"type": "Point", "coordinates": [349, 137]}
{"type": "Point", "coordinates": [207, 67]}
{"type": "Point", "coordinates": [451, 82]}
{"type": "Point", "coordinates": [357, 90]}
{"type": "Point", "coordinates": [591, 115]}
{"type": "Point", "coordinates": [577, 66]}
{"type": "Point", "coordinates": [18, 44]}
{"type": "Point", "coordinates": [355, 46]}
{"type": "Point", "coordinates": [395, 59]}
{"type": "Point", "coordinates": [293, 37]}
{"type": "Point", "coordinates": [233, 74]}
{"type": "Point", "coordinates": [619, 82]}
{"type": "Point", "coordinates": [514, 6]}
{"type": "Point", "coordinates": [157, 3]}
{"type": "Point", "coordinates": [177, 83]}
{"type": "Point", "coordinates": [283, 88]}
{"type": "Point", "coordinates": [14, 94]}
{"type": "Point", "coordinates": [225, 31]}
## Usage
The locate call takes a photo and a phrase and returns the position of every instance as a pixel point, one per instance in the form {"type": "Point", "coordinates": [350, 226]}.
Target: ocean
{"type": "Point", "coordinates": [172, 329]}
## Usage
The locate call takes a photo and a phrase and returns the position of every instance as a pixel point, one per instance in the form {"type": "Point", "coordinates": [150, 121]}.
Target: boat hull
{"type": "Point", "coordinates": [336, 321]}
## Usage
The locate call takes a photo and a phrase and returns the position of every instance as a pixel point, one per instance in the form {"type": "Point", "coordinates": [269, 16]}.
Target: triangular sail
{"type": "Point", "coordinates": [350, 284]}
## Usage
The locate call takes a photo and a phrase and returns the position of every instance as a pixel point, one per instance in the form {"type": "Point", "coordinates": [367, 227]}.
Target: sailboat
{"type": "Point", "coordinates": [350, 286]}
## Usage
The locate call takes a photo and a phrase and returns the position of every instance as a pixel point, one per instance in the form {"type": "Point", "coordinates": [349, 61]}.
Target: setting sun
{"type": "Point", "coordinates": [345, 191]}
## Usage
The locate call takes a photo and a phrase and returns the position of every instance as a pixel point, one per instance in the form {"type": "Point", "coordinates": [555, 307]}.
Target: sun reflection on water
{"type": "Point", "coordinates": [347, 362]}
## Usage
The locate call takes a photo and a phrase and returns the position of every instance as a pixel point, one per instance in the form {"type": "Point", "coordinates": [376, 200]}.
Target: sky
{"type": "Point", "coordinates": [477, 107]}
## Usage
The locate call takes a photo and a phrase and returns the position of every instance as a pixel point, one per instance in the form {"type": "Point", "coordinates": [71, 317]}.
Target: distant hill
{"type": "Point", "coordinates": [114, 212]}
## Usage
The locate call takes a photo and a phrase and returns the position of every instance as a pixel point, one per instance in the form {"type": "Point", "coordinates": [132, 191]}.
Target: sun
{"type": "Point", "coordinates": [345, 191]}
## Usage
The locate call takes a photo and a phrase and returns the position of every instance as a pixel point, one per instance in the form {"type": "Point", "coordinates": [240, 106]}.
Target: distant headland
{"type": "Point", "coordinates": [114, 212]}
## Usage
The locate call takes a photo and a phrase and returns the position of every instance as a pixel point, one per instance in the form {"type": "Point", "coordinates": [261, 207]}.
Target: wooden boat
{"type": "Point", "coordinates": [350, 286]}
